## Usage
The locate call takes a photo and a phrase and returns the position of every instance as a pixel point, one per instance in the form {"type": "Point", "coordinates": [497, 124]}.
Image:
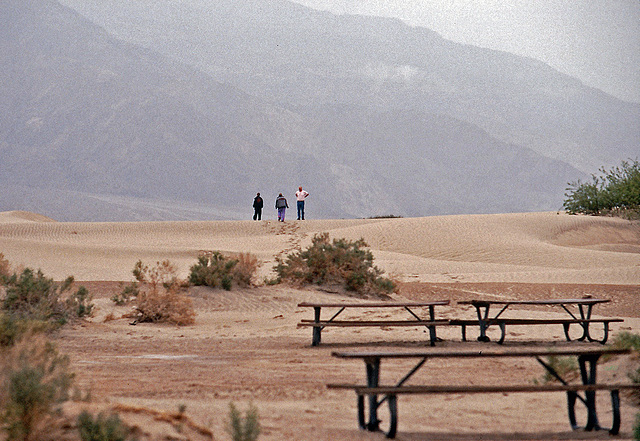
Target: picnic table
{"type": "Point", "coordinates": [414, 318]}
{"type": "Point", "coordinates": [587, 360]}
{"type": "Point", "coordinates": [581, 315]}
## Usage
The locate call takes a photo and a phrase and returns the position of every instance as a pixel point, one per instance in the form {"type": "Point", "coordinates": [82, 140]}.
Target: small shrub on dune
{"type": "Point", "coordinates": [215, 270]}
{"type": "Point", "coordinates": [5, 268]}
{"type": "Point", "coordinates": [246, 269]}
{"type": "Point", "coordinates": [160, 296]}
{"type": "Point", "coordinates": [341, 262]}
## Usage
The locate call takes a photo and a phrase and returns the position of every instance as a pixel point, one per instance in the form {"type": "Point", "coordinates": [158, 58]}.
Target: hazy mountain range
{"type": "Point", "coordinates": [127, 110]}
{"type": "Point", "coordinates": [596, 41]}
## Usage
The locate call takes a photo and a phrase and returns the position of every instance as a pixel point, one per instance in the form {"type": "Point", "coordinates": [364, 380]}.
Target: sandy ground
{"type": "Point", "coordinates": [245, 346]}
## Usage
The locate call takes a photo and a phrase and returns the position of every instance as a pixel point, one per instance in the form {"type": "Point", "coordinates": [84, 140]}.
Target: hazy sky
{"type": "Point", "coordinates": [597, 41]}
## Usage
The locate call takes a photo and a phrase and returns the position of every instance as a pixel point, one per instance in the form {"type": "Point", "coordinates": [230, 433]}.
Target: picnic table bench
{"type": "Point", "coordinates": [414, 320]}
{"type": "Point", "coordinates": [587, 359]}
{"type": "Point", "coordinates": [582, 317]}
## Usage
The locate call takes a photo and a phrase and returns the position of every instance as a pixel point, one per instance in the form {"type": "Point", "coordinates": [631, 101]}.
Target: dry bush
{"type": "Point", "coordinates": [5, 267]}
{"type": "Point", "coordinates": [246, 268]}
{"type": "Point", "coordinates": [160, 296]}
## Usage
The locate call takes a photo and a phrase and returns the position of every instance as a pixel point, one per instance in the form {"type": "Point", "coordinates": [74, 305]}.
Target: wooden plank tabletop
{"type": "Point", "coordinates": [478, 354]}
{"type": "Point", "coordinates": [533, 302]}
{"type": "Point", "coordinates": [374, 304]}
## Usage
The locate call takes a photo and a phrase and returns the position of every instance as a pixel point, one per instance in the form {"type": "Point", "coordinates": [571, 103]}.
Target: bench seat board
{"type": "Point", "coordinates": [534, 302]}
{"type": "Point", "coordinates": [373, 304]}
{"type": "Point", "coordinates": [479, 353]}
{"type": "Point", "coordinates": [345, 323]}
{"type": "Point", "coordinates": [470, 389]}
{"type": "Point", "coordinates": [514, 321]}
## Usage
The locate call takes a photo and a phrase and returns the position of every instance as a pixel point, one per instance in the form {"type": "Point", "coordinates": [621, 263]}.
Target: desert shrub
{"type": "Point", "coordinates": [128, 293]}
{"type": "Point", "coordinates": [635, 378]}
{"type": "Point", "coordinates": [562, 366]}
{"type": "Point", "coordinates": [627, 340]}
{"type": "Point", "coordinates": [5, 268]}
{"type": "Point", "coordinates": [9, 330]}
{"type": "Point", "coordinates": [79, 303]}
{"type": "Point", "coordinates": [615, 191]}
{"type": "Point", "coordinates": [160, 295]}
{"type": "Point", "coordinates": [32, 297]}
{"type": "Point", "coordinates": [34, 381]}
{"type": "Point", "coordinates": [245, 428]}
{"type": "Point", "coordinates": [246, 269]}
{"type": "Point", "coordinates": [340, 262]}
{"type": "Point", "coordinates": [636, 428]}
{"type": "Point", "coordinates": [214, 269]}
{"type": "Point", "coordinates": [102, 428]}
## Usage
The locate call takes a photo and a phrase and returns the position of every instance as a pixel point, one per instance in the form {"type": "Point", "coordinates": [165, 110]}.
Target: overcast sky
{"type": "Point", "coordinates": [596, 41]}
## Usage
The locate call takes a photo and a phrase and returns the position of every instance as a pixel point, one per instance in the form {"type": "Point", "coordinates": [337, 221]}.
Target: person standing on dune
{"type": "Point", "coordinates": [301, 195]}
{"type": "Point", "coordinates": [281, 206]}
{"type": "Point", "coordinates": [258, 203]}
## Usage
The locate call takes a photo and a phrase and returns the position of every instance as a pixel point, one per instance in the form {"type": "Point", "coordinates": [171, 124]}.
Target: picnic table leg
{"type": "Point", "coordinates": [482, 320]}
{"type": "Point", "coordinates": [585, 325]}
{"type": "Point", "coordinates": [317, 330]}
{"type": "Point", "coordinates": [393, 411]}
{"type": "Point", "coordinates": [588, 366]}
{"type": "Point", "coordinates": [615, 409]}
{"type": "Point", "coordinates": [432, 329]}
{"type": "Point", "coordinates": [373, 380]}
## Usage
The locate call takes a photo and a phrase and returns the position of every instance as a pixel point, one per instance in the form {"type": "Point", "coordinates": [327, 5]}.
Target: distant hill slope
{"type": "Point", "coordinates": [94, 128]}
{"type": "Point", "coordinates": [22, 216]}
{"type": "Point", "coordinates": [298, 56]}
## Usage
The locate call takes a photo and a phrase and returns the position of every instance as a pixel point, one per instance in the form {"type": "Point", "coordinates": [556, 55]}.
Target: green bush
{"type": "Point", "coordinates": [32, 296]}
{"type": "Point", "coordinates": [79, 304]}
{"type": "Point", "coordinates": [34, 380]}
{"type": "Point", "coordinates": [627, 340]}
{"type": "Point", "coordinates": [217, 270]}
{"type": "Point", "coordinates": [101, 428]}
{"type": "Point", "coordinates": [615, 191]}
{"type": "Point", "coordinates": [341, 262]}
{"type": "Point", "coordinates": [636, 428]}
{"type": "Point", "coordinates": [562, 366]}
{"type": "Point", "coordinates": [245, 428]}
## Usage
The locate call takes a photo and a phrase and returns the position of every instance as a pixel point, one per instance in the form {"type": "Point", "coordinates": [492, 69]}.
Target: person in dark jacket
{"type": "Point", "coordinates": [258, 203]}
{"type": "Point", "coordinates": [281, 206]}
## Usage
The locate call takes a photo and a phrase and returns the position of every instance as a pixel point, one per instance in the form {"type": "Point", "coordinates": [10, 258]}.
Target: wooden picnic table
{"type": "Point", "coordinates": [581, 317]}
{"type": "Point", "coordinates": [587, 360]}
{"type": "Point", "coordinates": [414, 318]}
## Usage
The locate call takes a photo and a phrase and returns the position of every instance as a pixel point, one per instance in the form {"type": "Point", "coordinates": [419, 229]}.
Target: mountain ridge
{"type": "Point", "coordinates": [113, 126]}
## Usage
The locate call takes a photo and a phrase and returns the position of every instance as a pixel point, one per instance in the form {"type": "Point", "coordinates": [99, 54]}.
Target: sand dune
{"type": "Point", "coordinates": [245, 345]}
{"type": "Point", "coordinates": [523, 247]}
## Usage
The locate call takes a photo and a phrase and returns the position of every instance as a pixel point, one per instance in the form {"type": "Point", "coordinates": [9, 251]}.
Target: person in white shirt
{"type": "Point", "coordinates": [301, 195]}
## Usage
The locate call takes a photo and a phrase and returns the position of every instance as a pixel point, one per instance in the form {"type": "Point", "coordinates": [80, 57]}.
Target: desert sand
{"type": "Point", "coordinates": [245, 346]}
